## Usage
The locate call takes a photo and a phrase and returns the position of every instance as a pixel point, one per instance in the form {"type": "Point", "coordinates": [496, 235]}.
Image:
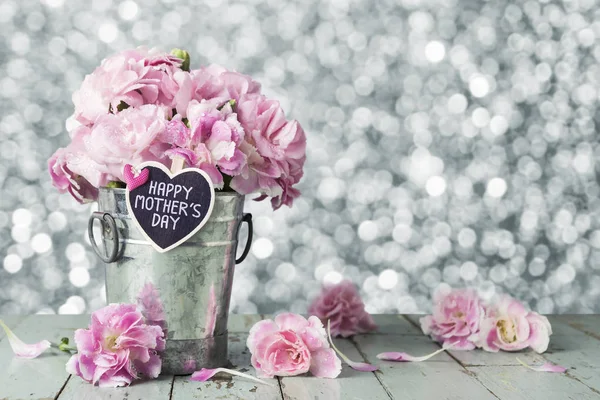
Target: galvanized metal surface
{"type": "Point", "coordinates": [453, 376]}
{"type": "Point", "coordinates": [193, 281]}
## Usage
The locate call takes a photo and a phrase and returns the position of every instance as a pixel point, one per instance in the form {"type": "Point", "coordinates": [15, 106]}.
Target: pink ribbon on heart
{"type": "Point", "coordinates": [132, 179]}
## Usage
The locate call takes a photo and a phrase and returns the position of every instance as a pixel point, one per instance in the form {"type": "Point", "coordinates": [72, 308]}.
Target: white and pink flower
{"type": "Point", "coordinates": [456, 318]}
{"type": "Point", "coordinates": [509, 326]}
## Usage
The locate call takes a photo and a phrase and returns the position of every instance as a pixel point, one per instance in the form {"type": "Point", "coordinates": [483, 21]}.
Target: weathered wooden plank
{"type": "Point", "coordinates": [513, 383]}
{"type": "Point", "coordinates": [588, 324]}
{"type": "Point", "coordinates": [395, 324]}
{"type": "Point", "coordinates": [350, 384]}
{"type": "Point", "coordinates": [441, 379]}
{"type": "Point", "coordinates": [228, 388]}
{"type": "Point", "coordinates": [241, 323]}
{"type": "Point", "coordinates": [159, 389]}
{"type": "Point", "coordinates": [41, 378]}
{"type": "Point", "coordinates": [560, 327]}
{"type": "Point", "coordinates": [580, 354]}
{"type": "Point", "coordinates": [11, 321]}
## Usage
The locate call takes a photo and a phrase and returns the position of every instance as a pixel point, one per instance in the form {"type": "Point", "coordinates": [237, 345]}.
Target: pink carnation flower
{"type": "Point", "coordinates": [510, 327]}
{"type": "Point", "coordinates": [216, 82]}
{"type": "Point", "coordinates": [117, 348]}
{"type": "Point", "coordinates": [97, 154]}
{"type": "Point", "coordinates": [213, 141]}
{"type": "Point", "coordinates": [292, 345]}
{"type": "Point", "coordinates": [456, 318]}
{"type": "Point", "coordinates": [275, 149]}
{"type": "Point", "coordinates": [135, 77]}
{"type": "Point", "coordinates": [342, 306]}
{"type": "Point", "coordinates": [65, 167]}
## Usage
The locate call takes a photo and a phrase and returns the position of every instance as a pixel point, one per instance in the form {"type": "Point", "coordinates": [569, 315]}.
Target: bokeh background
{"type": "Point", "coordinates": [450, 142]}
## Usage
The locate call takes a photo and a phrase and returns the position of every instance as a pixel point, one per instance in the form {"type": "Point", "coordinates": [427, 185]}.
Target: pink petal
{"type": "Point", "coordinates": [291, 321]}
{"type": "Point", "coordinates": [206, 373]}
{"type": "Point", "coordinates": [325, 364]}
{"type": "Point", "coordinates": [359, 366]}
{"type": "Point", "coordinates": [23, 350]}
{"type": "Point", "coordinates": [546, 367]}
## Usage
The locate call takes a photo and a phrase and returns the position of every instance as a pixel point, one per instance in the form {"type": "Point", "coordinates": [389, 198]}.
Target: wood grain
{"type": "Point", "coordinates": [441, 379]}
{"type": "Point", "coordinates": [454, 375]}
{"type": "Point", "coordinates": [78, 389]}
{"type": "Point", "coordinates": [227, 387]}
{"type": "Point", "coordinates": [350, 384]}
{"type": "Point", "coordinates": [43, 377]}
{"type": "Point", "coordinates": [513, 383]}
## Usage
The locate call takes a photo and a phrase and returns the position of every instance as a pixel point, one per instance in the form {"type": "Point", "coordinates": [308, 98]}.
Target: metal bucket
{"type": "Point", "coordinates": [187, 289]}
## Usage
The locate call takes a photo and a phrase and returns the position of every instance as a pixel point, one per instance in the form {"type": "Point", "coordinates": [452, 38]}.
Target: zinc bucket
{"type": "Point", "coordinates": [186, 290]}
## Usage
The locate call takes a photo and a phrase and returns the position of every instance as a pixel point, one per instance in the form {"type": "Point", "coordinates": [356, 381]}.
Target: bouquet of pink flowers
{"type": "Point", "coordinates": [144, 105]}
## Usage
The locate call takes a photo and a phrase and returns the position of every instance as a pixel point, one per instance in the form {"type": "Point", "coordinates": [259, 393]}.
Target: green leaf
{"type": "Point", "coordinates": [184, 56]}
{"type": "Point", "coordinates": [231, 102]}
{"type": "Point", "coordinates": [116, 185]}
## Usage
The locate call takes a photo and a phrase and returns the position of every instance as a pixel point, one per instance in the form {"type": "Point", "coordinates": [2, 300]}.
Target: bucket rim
{"type": "Point", "coordinates": [217, 193]}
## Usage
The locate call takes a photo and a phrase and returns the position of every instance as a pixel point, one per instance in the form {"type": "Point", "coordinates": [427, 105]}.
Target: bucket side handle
{"type": "Point", "coordinates": [109, 226]}
{"type": "Point", "coordinates": [247, 218]}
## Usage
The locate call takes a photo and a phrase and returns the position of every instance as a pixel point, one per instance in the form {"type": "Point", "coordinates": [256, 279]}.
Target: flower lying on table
{"type": "Point", "coordinates": [461, 321]}
{"type": "Point", "coordinates": [292, 345]}
{"type": "Point", "coordinates": [460, 317]}
{"type": "Point", "coordinates": [118, 347]}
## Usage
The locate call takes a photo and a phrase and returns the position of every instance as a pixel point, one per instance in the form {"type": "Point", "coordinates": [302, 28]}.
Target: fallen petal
{"type": "Point", "coordinates": [546, 367]}
{"type": "Point", "coordinates": [206, 373]}
{"type": "Point", "coordinates": [405, 357]}
{"type": "Point", "coordinates": [359, 366]}
{"type": "Point", "coordinates": [24, 350]}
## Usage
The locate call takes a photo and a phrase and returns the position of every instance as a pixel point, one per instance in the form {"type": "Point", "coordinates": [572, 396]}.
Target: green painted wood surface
{"type": "Point", "coordinates": [454, 375]}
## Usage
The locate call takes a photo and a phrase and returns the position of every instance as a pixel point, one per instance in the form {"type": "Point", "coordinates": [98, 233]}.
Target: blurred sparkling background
{"type": "Point", "coordinates": [449, 142]}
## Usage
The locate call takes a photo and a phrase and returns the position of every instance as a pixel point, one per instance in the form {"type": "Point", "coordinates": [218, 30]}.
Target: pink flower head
{"type": "Point", "coordinates": [128, 137]}
{"type": "Point", "coordinates": [456, 318]}
{"type": "Point", "coordinates": [65, 167]}
{"type": "Point", "coordinates": [135, 77]}
{"type": "Point", "coordinates": [216, 82]}
{"type": "Point", "coordinates": [342, 306]}
{"type": "Point", "coordinates": [510, 327]}
{"type": "Point", "coordinates": [276, 150]}
{"type": "Point", "coordinates": [292, 345]}
{"type": "Point", "coordinates": [214, 138]}
{"type": "Point", "coordinates": [117, 348]}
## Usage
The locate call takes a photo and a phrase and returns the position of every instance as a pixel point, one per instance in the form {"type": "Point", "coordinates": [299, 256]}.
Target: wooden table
{"type": "Point", "coordinates": [451, 375]}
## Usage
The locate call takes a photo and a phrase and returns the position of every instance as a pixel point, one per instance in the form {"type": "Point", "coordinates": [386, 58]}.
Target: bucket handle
{"type": "Point", "coordinates": [110, 227]}
{"type": "Point", "coordinates": [247, 218]}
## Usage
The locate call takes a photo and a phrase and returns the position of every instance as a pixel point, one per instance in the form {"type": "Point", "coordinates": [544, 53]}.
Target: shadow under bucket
{"type": "Point", "coordinates": [187, 289]}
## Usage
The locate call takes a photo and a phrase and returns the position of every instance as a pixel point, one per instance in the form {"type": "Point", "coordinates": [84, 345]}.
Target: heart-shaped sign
{"type": "Point", "coordinates": [170, 208]}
